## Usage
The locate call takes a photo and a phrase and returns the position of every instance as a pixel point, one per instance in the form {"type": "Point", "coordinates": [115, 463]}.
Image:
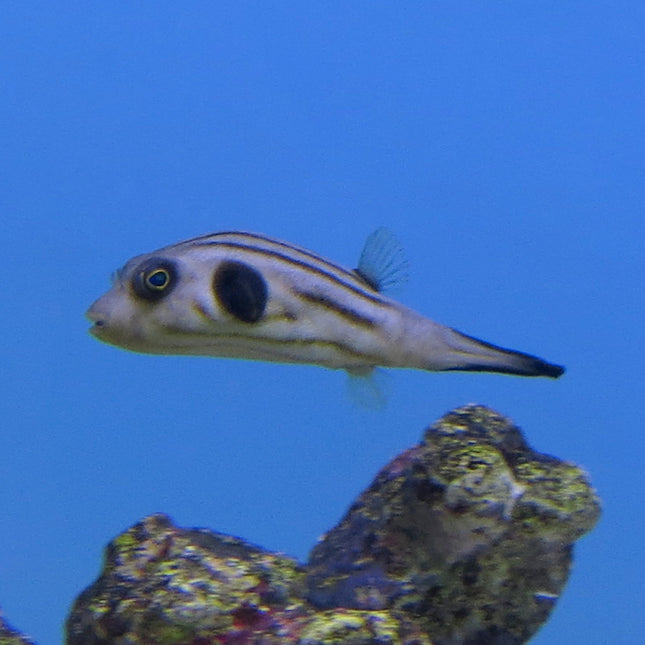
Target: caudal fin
{"type": "Point", "coordinates": [474, 355]}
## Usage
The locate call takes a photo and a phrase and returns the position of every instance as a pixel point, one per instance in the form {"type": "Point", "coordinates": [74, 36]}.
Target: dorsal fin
{"type": "Point", "coordinates": [383, 264]}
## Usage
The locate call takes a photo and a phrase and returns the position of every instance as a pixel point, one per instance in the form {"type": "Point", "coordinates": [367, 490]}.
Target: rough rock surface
{"type": "Point", "coordinates": [469, 533]}
{"type": "Point", "coordinates": [464, 539]}
{"type": "Point", "coordinates": [9, 636]}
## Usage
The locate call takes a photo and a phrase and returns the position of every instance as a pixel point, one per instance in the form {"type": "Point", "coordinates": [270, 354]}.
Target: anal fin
{"type": "Point", "coordinates": [369, 387]}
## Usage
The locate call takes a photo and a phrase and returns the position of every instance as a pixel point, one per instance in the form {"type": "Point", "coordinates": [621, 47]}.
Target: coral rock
{"type": "Point", "coordinates": [9, 636]}
{"type": "Point", "coordinates": [469, 534]}
{"type": "Point", "coordinates": [464, 539]}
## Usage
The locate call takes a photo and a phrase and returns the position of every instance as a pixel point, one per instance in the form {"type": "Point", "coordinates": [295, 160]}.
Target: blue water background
{"type": "Point", "coordinates": [504, 143]}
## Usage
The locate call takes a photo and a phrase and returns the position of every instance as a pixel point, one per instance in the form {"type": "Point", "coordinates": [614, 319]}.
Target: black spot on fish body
{"type": "Point", "coordinates": [241, 290]}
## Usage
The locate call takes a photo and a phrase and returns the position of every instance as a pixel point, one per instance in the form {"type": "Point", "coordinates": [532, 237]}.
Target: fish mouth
{"type": "Point", "coordinates": [98, 322]}
{"type": "Point", "coordinates": [97, 329]}
{"type": "Point", "coordinates": [110, 331]}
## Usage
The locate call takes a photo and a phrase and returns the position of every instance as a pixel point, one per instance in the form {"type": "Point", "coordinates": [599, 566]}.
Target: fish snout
{"type": "Point", "coordinates": [114, 321]}
{"type": "Point", "coordinates": [97, 315]}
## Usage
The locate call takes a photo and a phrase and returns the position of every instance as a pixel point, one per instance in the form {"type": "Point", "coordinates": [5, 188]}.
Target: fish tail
{"type": "Point", "coordinates": [466, 353]}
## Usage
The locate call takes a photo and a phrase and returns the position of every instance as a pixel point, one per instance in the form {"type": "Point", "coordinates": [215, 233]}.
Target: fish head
{"type": "Point", "coordinates": [159, 303]}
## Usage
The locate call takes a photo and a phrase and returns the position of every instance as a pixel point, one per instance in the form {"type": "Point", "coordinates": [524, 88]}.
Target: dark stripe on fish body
{"type": "Point", "coordinates": [198, 241]}
{"type": "Point", "coordinates": [349, 314]}
{"type": "Point", "coordinates": [530, 365]}
{"type": "Point", "coordinates": [366, 359]}
{"type": "Point", "coordinates": [356, 290]}
{"type": "Point", "coordinates": [286, 316]}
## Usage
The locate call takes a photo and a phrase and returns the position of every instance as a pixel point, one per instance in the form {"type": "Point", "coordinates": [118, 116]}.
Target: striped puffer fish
{"type": "Point", "coordinates": [243, 295]}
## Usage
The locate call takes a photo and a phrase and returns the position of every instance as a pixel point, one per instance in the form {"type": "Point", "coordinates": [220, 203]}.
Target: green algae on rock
{"type": "Point", "coordinates": [464, 539]}
{"type": "Point", "coordinates": [164, 584]}
{"type": "Point", "coordinates": [470, 532]}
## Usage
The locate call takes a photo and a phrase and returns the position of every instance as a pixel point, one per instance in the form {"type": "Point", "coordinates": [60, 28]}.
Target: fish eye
{"type": "Point", "coordinates": [154, 279]}
{"type": "Point", "coordinates": [157, 279]}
